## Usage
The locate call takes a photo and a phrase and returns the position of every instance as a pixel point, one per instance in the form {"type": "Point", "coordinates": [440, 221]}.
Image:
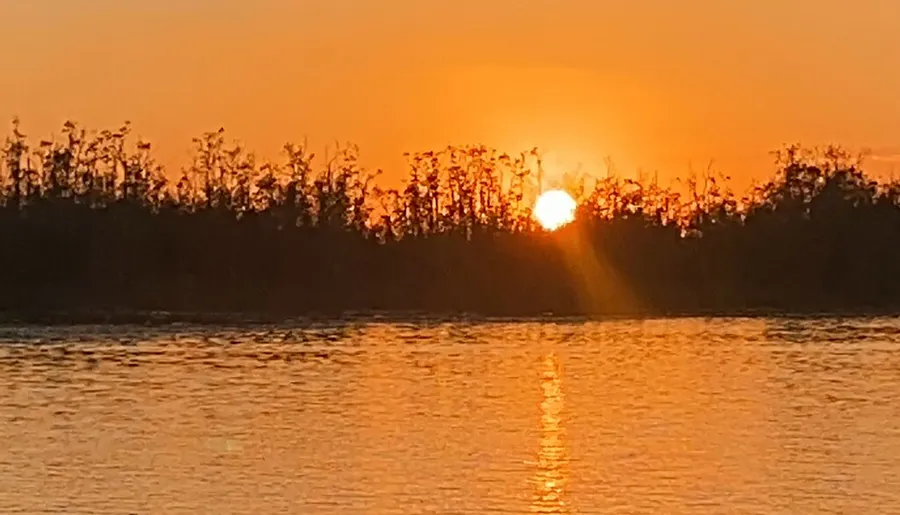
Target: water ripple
{"type": "Point", "coordinates": [699, 416]}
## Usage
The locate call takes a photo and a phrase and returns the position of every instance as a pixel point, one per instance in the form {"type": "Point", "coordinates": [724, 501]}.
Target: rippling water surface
{"type": "Point", "coordinates": [661, 416]}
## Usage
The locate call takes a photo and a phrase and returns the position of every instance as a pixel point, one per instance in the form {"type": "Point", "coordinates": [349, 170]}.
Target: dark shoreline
{"type": "Point", "coordinates": [201, 318]}
{"type": "Point", "coordinates": [93, 231]}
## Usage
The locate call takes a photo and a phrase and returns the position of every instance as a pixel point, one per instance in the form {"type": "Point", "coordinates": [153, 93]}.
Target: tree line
{"type": "Point", "coordinates": [91, 221]}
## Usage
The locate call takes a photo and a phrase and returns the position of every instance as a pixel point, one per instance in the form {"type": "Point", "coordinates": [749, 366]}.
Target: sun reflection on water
{"type": "Point", "coordinates": [551, 474]}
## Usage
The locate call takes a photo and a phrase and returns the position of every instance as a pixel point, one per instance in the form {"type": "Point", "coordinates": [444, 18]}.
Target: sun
{"type": "Point", "coordinates": [554, 209]}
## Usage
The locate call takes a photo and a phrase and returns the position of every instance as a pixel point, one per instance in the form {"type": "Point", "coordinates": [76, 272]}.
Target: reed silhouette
{"type": "Point", "coordinates": [89, 221]}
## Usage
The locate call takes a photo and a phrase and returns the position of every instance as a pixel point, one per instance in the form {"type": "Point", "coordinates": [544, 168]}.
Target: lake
{"type": "Point", "coordinates": [668, 416]}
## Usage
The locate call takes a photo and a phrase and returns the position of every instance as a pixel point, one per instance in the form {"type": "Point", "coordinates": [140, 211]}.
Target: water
{"type": "Point", "coordinates": [663, 416]}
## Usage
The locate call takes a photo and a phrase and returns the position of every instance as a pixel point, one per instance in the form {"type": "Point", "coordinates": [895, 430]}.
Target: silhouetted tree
{"type": "Point", "coordinates": [88, 220]}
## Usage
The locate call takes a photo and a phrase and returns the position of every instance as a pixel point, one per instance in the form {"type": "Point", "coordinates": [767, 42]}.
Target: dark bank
{"type": "Point", "coordinates": [90, 223]}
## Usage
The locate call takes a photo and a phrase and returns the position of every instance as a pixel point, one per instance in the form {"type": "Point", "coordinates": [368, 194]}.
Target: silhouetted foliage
{"type": "Point", "coordinates": [89, 221]}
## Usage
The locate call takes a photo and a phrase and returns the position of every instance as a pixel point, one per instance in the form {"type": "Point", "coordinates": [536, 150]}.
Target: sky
{"type": "Point", "coordinates": [655, 85]}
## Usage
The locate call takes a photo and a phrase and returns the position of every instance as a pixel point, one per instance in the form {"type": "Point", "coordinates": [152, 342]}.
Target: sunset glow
{"type": "Point", "coordinates": [552, 257]}
{"type": "Point", "coordinates": [690, 92]}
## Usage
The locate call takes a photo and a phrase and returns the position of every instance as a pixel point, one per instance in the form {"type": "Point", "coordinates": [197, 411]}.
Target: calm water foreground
{"type": "Point", "coordinates": [662, 416]}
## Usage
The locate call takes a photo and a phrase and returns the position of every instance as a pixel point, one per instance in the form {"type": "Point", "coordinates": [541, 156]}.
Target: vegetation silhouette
{"type": "Point", "coordinates": [89, 221]}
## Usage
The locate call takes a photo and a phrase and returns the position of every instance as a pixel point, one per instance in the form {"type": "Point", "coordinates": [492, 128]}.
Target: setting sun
{"type": "Point", "coordinates": [554, 209]}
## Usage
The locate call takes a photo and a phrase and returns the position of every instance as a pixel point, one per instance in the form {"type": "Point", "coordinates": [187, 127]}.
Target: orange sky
{"type": "Point", "coordinates": [655, 84]}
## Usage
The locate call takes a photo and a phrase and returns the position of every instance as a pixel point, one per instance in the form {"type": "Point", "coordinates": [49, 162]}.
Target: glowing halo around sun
{"type": "Point", "coordinates": [554, 209]}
